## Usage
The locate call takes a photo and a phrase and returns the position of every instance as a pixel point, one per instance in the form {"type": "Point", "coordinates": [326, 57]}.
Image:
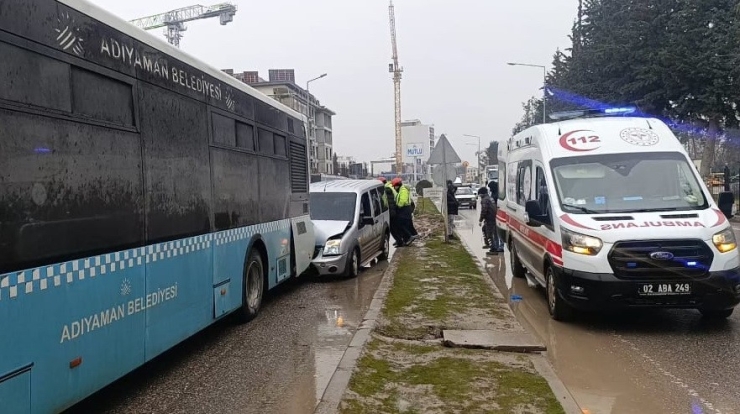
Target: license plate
{"type": "Point", "coordinates": [663, 289]}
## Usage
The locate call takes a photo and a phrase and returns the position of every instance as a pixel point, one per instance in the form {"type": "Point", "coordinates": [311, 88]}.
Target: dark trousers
{"type": "Point", "coordinates": [489, 229]}
{"type": "Point", "coordinates": [395, 230]}
{"type": "Point", "coordinates": [406, 215]}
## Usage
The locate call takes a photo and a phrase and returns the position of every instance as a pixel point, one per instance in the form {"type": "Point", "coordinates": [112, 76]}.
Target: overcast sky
{"type": "Point", "coordinates": [454, 57]}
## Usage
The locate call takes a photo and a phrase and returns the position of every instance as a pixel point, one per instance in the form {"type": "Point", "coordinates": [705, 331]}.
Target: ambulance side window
{"type": "Point", "coordinates": [540, 189]}
{"type": "Point", "coordinates": [524, 182]}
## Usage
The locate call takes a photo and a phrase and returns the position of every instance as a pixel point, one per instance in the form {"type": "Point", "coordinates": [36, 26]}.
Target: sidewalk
{"type": "Point", "coordinates": [437, 295]}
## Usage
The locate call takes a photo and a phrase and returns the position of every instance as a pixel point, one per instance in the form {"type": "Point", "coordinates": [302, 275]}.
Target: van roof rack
{"type": "Point", "coordinates": [591, 113]}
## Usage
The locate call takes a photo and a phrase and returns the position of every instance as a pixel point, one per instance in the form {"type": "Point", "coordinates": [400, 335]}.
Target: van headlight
{"type": "Point", "coordinates": [332, 247]}
{"type": "Point", "coordinates": [580, 243]}
{"type": "Point", "coordinates": [725, 240]}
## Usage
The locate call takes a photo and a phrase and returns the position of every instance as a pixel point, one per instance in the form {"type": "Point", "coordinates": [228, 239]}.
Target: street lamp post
{"type": "Point", "coordinates": [311, 124]}
{"type": "Point", "coordinates": [480, 176]}
{"type": "Point", "coordinates": [544, 86]}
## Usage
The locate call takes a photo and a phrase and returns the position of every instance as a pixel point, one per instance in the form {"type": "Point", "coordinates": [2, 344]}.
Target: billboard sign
{"type": "Point", "coordinates": [415, 150]}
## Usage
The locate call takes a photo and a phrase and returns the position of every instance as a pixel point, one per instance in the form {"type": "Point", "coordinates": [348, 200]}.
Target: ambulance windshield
{"type": "Point", "coordinates": [624, 183]}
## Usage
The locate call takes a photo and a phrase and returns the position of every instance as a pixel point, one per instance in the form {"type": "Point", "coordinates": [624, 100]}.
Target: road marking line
{"type": "Point", "coordinates": [674, 379]}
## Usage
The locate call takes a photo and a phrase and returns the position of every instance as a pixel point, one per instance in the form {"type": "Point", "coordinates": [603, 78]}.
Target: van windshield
{"type": "Point", "coordinates": [333, 206]}
{"type": "Point", "coordinates": [624, 183]}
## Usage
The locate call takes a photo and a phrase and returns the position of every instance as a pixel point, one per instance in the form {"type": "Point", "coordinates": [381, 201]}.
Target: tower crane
{"type": "Point", "coordinates": [396, 70]}
{"type": "Point", "coordinates": [174, 20]}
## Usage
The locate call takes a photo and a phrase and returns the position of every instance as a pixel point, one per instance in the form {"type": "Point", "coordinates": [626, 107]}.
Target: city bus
{"type": "Point", "coordinates": [144, 195]}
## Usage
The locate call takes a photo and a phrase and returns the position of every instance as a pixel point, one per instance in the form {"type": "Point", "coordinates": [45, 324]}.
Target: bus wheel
{"type": "Point", "coordinates": [254, 287]}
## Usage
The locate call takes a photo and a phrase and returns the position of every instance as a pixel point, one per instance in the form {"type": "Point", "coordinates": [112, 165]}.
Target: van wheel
{"type": "Point", "coordinates": [559, 310]}
{"type": "Point", "coordinates": [386, 252]}
{"type": "Point", "coordinates": [352, 268]}
{"type": "Point", "coordinates": [253, 287]}
{"type": "Point", "coordinates": [715, 314]}
{"type": "Point", "coordinates": [517, 269]}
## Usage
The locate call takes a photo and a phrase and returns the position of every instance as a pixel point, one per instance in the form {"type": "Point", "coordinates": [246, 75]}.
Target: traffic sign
{"type": "Point", "coordinates": [443, 153]}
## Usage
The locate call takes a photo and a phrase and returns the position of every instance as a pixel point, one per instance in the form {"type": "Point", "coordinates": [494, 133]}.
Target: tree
{"type": "Point", "coordinates": [676, 59]}
{"type": "Point", "coordinates": [703, 81]}
{"type": "Point", "coordinates": [492, 152]}
{"type": "Point", "coordinates": [335, 164]}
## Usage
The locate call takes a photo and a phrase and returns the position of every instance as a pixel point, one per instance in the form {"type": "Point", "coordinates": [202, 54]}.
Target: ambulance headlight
{"type": "Point", "coordinates": [332, 247]}
{"type": "Point", "coordinates": [725, 240]}
{"type": "Point", "coordinates": [580, 243]}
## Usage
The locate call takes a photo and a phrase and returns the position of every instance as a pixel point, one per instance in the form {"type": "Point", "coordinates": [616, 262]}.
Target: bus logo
{"type": "Point", "coordinates": [126, 287]}
{"type": "Point", "coordinates": [69, 35]}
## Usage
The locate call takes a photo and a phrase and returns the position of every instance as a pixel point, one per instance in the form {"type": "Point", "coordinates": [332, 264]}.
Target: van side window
{"type": "Point", "coordinates": [365, 210]}
{"type": "Point", "coordinates": [381, 193]}
{"type": "Point", "coordinates": [524, 182]}
{"type": "Point", "coordinates": [376, 202]}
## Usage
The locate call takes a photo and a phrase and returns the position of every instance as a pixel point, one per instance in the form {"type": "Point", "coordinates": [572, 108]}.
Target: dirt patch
{"type": "Point", "coordinates": [403, 378]}
{"type": "Point", "coordinates": [403, 369]}
{"type": "Point", "coordinates": [438, 285]}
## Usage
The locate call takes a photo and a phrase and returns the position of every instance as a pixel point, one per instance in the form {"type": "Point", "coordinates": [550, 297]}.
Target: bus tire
{"type": "Point", "coordinates": [253, 288]}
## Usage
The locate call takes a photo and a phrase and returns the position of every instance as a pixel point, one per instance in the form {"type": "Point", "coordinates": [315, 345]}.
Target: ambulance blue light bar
{"type": "Point", "coordinates": [586, 113]}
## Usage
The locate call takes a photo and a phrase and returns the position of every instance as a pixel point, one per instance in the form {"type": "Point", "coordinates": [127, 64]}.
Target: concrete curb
{"type": "Point", "coordinates": [541, 364]}
{"type": "Point", "coordinates": [339, 381]}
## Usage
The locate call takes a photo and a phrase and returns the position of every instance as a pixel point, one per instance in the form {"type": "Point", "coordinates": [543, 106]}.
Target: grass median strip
{"type": "Point", "coordinates": [402, 378]}
{"type": "Point", "coordinates": [438, 286]}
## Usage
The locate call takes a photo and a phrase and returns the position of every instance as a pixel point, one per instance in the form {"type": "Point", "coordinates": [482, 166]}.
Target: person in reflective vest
{"type": "Point", "coordinates": [405, 206]}
{"type": "Point", "coordinates": [389, 200]}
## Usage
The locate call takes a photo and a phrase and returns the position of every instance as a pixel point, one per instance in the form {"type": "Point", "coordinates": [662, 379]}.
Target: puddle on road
{"type": "Point", "coordinates": [340, 320]}
{"type": "Point", "coordinates": [602, 375]}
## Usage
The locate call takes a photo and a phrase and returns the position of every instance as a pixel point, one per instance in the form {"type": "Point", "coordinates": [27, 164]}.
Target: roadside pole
{"type": "Point", "coordinates": [444, 194]}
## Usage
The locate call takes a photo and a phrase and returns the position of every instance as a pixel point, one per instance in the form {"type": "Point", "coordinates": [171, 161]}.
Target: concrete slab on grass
{"type": "Point", "coordinates": [494, 340]}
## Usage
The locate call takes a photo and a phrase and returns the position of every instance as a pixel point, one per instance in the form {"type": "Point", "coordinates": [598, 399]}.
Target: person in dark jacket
{"type": "Point", "coordinates": [488, 220]}
{"type": "Point", "coordinates": [493, 190]}
{"type": "Point", "coordinates": [452, 208]}
{"type": "Point", "coordinates": [389, 198]}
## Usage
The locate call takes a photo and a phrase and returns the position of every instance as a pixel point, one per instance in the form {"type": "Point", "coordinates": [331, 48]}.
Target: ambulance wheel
{"type": "Point", "coordinates": [559, 310]}
{"type": "Point", "coordinates": [253, 287]}
{"type": "Point", "coordinates": [517, 269]}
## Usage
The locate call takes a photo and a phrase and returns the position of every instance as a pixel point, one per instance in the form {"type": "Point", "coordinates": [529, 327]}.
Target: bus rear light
{"type": "Point", "coordinates": [75, 363]}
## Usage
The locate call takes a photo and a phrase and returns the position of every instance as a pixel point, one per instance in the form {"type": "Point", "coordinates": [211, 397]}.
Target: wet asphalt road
{"type": "Point", "coordinates": [281, 362]}
{"type": "Point", "coordinates": [664, 361]}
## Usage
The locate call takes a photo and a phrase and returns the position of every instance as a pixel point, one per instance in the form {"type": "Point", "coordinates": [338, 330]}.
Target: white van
{"type": "Point", "coordinates": [609, 212]}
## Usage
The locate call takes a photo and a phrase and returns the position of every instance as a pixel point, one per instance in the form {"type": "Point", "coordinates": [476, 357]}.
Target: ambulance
{"type": "Point", "coordinates": [606, 211]}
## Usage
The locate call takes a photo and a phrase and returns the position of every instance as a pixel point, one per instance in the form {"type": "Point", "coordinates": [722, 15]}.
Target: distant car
{"type": "Point", "coordinates": [351, 223]}
{"type": "Point", "coordinates": [466, 197]}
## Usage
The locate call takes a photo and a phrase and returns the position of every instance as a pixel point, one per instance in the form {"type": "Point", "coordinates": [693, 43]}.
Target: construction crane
{"type": "Point", "coordinates": [174, 20]}
{"type": "Point", "coordinates": [396, 70]}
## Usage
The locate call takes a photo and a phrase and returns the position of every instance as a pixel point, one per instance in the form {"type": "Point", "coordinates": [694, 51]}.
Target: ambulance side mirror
{"type": "Point", "coordinates": [725, 201]}
{"type": "Point", "coordinates": [534, 214]}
